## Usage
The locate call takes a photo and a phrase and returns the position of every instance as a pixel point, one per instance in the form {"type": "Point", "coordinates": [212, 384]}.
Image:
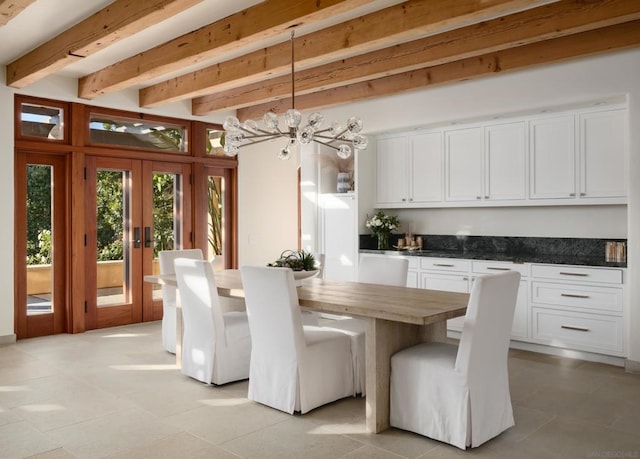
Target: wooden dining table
{"type": "Point", "coordinates": [397, 317]}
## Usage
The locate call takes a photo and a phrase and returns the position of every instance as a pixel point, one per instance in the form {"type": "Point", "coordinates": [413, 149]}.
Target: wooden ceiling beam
{"type": "Point", "coordinates": [9, 9]}
{"type": "Point", "coordinates": [114, 22]}
{"type": "Point", "coordinates": [262, 21]}
{"type": "Point", "coordinates": [542, 23]}
{"type": "Point", "coordinates": [399, 23]}
{"type": "Point", "coordinates": [608, 39]}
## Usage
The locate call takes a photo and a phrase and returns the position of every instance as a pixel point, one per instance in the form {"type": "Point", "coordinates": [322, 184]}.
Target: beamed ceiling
{"type": "Point", "coordinates": [345, 50]}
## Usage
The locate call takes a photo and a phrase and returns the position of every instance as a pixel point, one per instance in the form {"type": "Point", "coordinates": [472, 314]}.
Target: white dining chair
{"type": "Point", "coordinates": [169, 292]}
{"type": "Point", "coordinates": [216, 346]}
{"type": "Point", "coordinates": [371, 270]}
{"type": "Point", "coordinates": [459, 394]}
{"type": "Point", "coordinates": [294, 367]}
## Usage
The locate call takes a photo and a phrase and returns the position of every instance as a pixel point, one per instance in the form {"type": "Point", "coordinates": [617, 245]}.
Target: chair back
{"type": "Point", "coordinates": [383, 270]}
{"type": "Point", "coordinates": [277, 335]}
{"type": "Point", "coordinates": [166, 259]}
{"type": "Point", "coordinates": [484, 343]}
{"type": "Point", "coordinates": [199, 298]}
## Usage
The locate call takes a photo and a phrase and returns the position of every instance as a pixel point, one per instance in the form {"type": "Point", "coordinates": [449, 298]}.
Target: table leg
{"type": "Point", "coordinates": [383, 339]}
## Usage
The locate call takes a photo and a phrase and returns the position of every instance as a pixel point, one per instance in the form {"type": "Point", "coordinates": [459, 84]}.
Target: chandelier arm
{"type": "Point", "coordinates": [325, 144]}
{"type": "Point", "coordinates": [252, 142]}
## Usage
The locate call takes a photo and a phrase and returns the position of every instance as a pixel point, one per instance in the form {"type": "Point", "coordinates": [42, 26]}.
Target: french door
{"type": "Point", "coordinates": [40, 245]}
{"type": "Point", "coordinates": [134, 209]}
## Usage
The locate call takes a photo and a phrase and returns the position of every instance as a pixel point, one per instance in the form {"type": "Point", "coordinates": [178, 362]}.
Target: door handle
{"type": "Point", "coordinates": [136, 237]}
{"type": "Point", "coordinates": [147, 236]}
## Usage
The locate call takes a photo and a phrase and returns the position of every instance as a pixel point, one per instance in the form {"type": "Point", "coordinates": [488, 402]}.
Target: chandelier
{"type": "Point", "coordinates": [343, 139]}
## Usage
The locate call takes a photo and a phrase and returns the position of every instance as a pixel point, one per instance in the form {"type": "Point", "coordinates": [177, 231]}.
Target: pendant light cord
{"type": "Point", "coordinates": [293, 94]}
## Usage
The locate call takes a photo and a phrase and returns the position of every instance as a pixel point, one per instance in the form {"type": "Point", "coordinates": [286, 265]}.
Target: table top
{"type": "Point", "coordinates": [399, 304]}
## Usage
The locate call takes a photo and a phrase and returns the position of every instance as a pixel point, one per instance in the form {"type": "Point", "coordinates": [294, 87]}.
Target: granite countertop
{"type": "Point", "coordinates": [508, 257]}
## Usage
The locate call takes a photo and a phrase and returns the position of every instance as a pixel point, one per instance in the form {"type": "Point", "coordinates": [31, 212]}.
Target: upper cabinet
{"type": "Point", "coordinates": [577, 157]}
{"type": "Point", "coordinates": [552, 157]}
{"type": "Point", "coordinates": [603, 154]}
{"type": "Point", "coordinates": [409, 169]}
{"type": "Point", "coordinates": [486, 163]}
{"type": "Point", "coordinates": [464, 164]}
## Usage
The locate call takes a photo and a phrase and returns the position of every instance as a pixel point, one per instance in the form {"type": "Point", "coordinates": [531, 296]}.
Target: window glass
{"type": "Point", "coordinates": [138, 133]}
{"type": "Point", "coordinates": [42, 121]}
{"type": "Point", "coordinates": [214, 145]}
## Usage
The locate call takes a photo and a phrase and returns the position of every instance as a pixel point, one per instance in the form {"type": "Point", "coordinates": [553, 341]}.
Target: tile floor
{"type": "Point", "coordinates": [113, 393]}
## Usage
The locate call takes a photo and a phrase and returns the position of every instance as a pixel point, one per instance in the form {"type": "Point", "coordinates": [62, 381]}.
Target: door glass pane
{"type": "Point", "coordinates": [39, 239]}
{"type": "Point", "coordinates": [113, 257]}
{"type": "Point", "coordinates": [215, 235]}
{"type": "Point", "coordinates": [167, 226]}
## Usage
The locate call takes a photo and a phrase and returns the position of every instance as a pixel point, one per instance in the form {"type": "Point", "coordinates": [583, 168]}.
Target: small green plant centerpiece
{"type": "Point", "coordinates": [381, 227]}
{"type": "Point", "coordinates": [302, 263]}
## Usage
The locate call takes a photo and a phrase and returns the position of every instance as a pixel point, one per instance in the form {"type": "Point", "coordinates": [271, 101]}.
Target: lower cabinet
{"type": "Point", "coordinates": [571, 307]}
{"type": "Point", "coordinates": [578, 308]}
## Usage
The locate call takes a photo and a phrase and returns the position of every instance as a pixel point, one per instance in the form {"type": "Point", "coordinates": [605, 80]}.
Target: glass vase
{"type": "Point", "coordinates": [383, 241]}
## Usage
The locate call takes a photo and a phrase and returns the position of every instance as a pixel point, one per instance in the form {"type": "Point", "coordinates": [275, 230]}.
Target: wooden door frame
{"type": "Point", "coordinates": [47, 323]}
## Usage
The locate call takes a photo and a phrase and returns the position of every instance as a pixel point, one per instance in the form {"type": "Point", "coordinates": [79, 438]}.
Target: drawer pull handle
{"type": "Point", "coordinates": [443, 265]}
{"type": "Point", "coordinates": [498, 269]}
{"type": "Point", "coordinates": [573, 274]}
{"type": "Point", "coordinates": [571, 327]}
{"type": "Point", "coordinates": [571, 295]}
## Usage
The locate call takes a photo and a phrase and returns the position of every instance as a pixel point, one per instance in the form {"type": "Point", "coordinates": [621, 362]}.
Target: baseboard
{"type": "Point", "coordinates": [8, 339]}
{"type": "Point", "coordinates": [570, 353]}
{"type": "Point", "coordinates": [631, 366]}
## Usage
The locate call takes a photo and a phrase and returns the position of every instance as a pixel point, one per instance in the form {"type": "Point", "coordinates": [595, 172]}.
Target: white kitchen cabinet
{"type": "Point", "coordinates": [409, 169]}
{"type": "Point", "coordinates": [552, 157]}
{"type": "Point", "coordinates": [463, 164]}
{"type": "Point", "coordinates": [425, 167]}
{"type": "Point", "coordinates": [578, 308]}
{"type": "Point", "coordinates": [520, 327]}
{"type": "Point", "coordinates": [339, 236]}
{"type": "Point", "coordinates": [505, 162]}
{"type": "Point", "coordinates": [603, 154]}
{"type": "Point", "coordinates": [392, 162]}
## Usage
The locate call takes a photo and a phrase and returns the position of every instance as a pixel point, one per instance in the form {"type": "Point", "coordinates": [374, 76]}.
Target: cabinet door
{"type": "Point", "coordinates": [391, 170]}
{"type": "Point", "coordinates": [464, 149]}
{"type": "Point", "coordinates": [505, 161]}
{"type": "Point", "coordinates": [339, 237]}
{"type": "Point", "coordinates": [603, 154]}
{"type": "Point", "coordinates": [552, 156]}
{"type": "Point", "coordinates": [448, 283]}
{"type": "Point", "coordinates": [425, 168]}
{"type": "Point", "coordinates": [520, 327]}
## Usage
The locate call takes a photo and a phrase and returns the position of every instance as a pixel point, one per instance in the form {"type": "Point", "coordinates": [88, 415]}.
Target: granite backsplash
{"type": "Point", "coordinates": [577, 251]}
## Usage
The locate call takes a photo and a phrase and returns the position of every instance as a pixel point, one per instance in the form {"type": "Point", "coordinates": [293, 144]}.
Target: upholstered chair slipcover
{"type": "Point", "coordinates": [169, 324]}
{"type": "Point", "coordinates": [460, 394]}
{"type": "Point", "coordinates": [294, 367]}
{"type": "Point", "coordinates": [216, 347]}
{"type": "Point", "coordinates": [372, 270]}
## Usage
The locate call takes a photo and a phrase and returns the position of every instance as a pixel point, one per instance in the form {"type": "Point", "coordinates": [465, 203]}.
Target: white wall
{"type": "Point", "coordinates": [268, 199]}
{"type": "Point", "coordinates": [6, 210]}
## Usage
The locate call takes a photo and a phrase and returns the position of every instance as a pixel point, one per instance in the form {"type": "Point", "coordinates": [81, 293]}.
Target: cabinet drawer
{"type": "Point", "coordinates": [578, 296]}
{"type": "Point", "coordinates": [589, 332]}
{"type": "Point", "coordinates": [414, 263]}
{"type": "Point", "coordinates": [577, 273]}
{"type": "Point", "coordinates": [445, 264]}
{"type": "Point", "coordinates": [492, 267]}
